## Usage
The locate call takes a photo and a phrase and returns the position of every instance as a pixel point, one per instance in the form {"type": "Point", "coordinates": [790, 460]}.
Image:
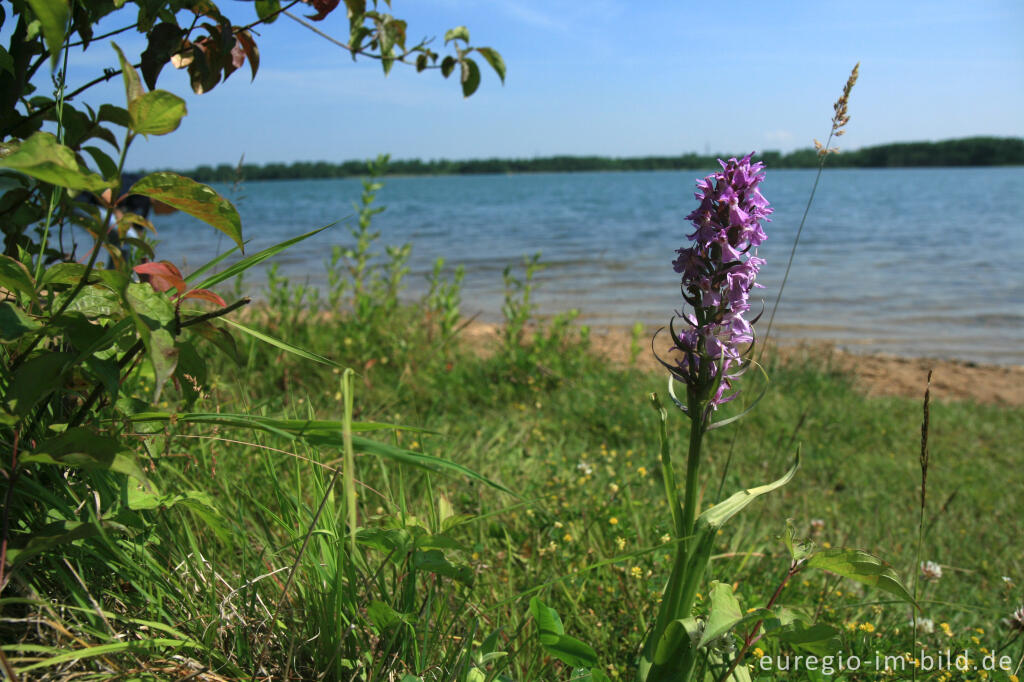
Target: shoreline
{"type": "Point", "coordinates": [876, 374]}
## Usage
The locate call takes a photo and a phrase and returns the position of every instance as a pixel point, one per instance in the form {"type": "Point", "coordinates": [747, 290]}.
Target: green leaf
{"type": "Point", "coordinates": [447, 66]}
{"type": "Point", "coordinates": [64, 273]}
{"type": "Point", "coordinates": [132, 85]}
{"type": "Point", "coordinates": [36, 378]}
{"type": "Point", "coordinates": [145, 497]}
{"type": "Point", "coordinates": [554, 641]}
{"type": "Point", "coordinates": [470, 77]}
{"type": "Point", "coordinates": [81, 333]}
{"type": "Point", "coordinates": [820, 640]}
{"type": "Point", "coordinates": [14, 276]}
{"type": "Point", "coordinates": [798, 549]}
{"type": "Point", "coordinates": [153, 312]}
{"type": "Point", "coordinates": [675, 648]}
{"type": "Point", "coordinates": [53, 16]}
{"type": "Point", "coordinates": [107, 372]}
{"type": "Point", "coordinates": [96, 301]}
{"type": "Point", "coordinates": [193, 198]}
{"type": "Point", "coordinates": [108, 169]}
{"type": "Point", "coordinates": [157, 113]}
{"type": "Point", "coordinates": [267, 10]}
{"type": "Point", "coordinates": [457, 33]}
{"type": "Point", "coordinates": [861, 567]}
{"type": "Point", "coordinates": [116, 115]}
{"type": "Point", "coordinates": [163, 354]}
{"type": "Point", "coordinates": [434, 561]}
{"type": "Point", "coordinates": [394, 541]}
{"type": "Point", "coordinates": [494, 59]}
{"type": "Point", "coordinates": [153, 308]}
{"type": "Point", "coordinates": [80, 447]}
{"type": "Point", "coordinates": [14, 323]}
{"type": "Point", "coordinates": [43, 158]}
{"type": "Point", "coordinates": [724, 614]}
{"type": "Point", "coordinates": [384, 617]}
{"type": "Point", "coordinates": [569, 650]}
{"type": "Point", "coordinates": [6, 61]}
{"type": "Point", "coordinates": [246, 263]}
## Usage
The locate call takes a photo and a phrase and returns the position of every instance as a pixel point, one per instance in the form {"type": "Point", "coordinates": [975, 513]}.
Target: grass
{"type": "Point", "coordinates": [244, 567]}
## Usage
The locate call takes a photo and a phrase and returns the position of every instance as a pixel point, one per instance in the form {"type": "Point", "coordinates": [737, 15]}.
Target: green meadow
{"type": "Point", "coordinates": [240, 565]}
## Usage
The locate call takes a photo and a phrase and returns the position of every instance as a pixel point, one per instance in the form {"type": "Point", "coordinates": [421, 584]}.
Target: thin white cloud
{"type": "Point", "coordinates": [779, 136]}
{"type": "Point", "coordinates": [531, 16]}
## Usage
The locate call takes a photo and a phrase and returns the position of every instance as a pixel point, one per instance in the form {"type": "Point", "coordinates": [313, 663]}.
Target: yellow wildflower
{"type": "Point", "coordinates": [948, 631]}
{"type": "Point", "coordinates": [642, 471]}
{"type": "Point", "coordinates": [567, 537]}
{"type": "Point", "coordinates": [665, 538]}
{"type": "Point", "coordinates": [637, 572]}
{"type": "Point", "coordinates": [621, 543]}
{"type": "Point", "coordinates": [867, 627]}
{"type": "Point", "coordinates": [613, 521]}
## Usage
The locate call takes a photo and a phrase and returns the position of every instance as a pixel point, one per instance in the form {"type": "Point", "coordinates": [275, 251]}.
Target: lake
{"type": "Point", "coordinates": [916, 262]}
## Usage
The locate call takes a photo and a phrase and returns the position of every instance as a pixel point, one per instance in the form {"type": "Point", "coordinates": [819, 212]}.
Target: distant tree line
{"type": "Point", "coordinates": [971, 151]}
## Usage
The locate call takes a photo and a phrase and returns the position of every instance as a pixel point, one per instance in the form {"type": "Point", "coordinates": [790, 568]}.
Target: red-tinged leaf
{"type": "Point", "coordinates": [204, 69]}
{"type": "Point", "coordinates": [244, 38]}
{"type": "Point", "coordinates": [323, 8]}
{"type": "Point", "coordinates": [162, 276]}
{"type": "Point", "coordinates": [206, 295]}
{"type": "Point", "coordinates": [183, 57]}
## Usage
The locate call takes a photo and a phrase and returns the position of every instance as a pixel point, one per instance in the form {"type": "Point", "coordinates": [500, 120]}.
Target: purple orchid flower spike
{"type": "Point", "coordinates": [718, 270]}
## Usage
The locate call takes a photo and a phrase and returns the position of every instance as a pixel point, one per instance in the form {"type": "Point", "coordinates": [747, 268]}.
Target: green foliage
{"type": "Point", "coordinates": [443, 299]}
{"type": "Point", "coordinates": [102, 368]}
{"type": "Point", "coordinates": [973, 151]}
{"type": "Point", "coordinates": [551, 633]}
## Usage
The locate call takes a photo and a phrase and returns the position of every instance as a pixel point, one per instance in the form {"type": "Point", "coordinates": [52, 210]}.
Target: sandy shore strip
{"type": "Point", "coordinates": [876, 375]}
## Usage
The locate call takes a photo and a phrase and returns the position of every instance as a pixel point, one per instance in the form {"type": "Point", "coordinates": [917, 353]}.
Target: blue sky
{"type": "Point", "coordinates": [607, 77]}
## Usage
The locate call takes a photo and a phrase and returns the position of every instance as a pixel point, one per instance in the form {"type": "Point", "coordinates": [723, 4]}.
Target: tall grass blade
{"type": "Point", "coordinates": [257, 258]}
{"type": "Point", "coordinates": [283, 345]}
